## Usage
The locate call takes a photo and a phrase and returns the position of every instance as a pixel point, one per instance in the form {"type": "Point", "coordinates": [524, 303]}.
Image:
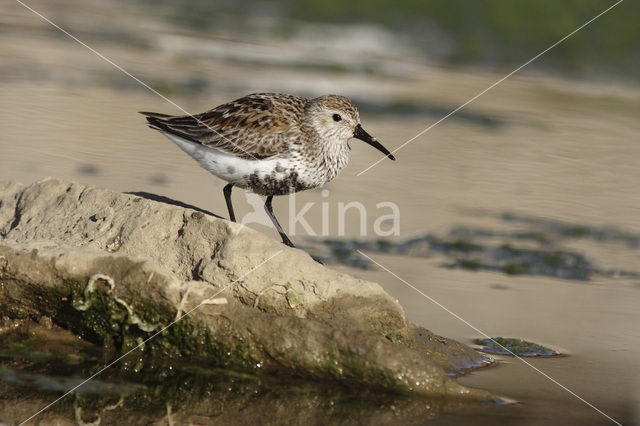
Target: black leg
{"type": "Point", "coordinates": [267, 207]}
{"type": "Point", "coordinates": [227, 198]}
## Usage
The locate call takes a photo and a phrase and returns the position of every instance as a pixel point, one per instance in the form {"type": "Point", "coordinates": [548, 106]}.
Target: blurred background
{"type": "Point", "coordinates": [520, 212]}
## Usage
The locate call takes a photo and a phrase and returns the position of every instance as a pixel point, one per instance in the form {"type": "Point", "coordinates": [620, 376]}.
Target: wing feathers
{"type": "Point", "coordinates": [257, 126]}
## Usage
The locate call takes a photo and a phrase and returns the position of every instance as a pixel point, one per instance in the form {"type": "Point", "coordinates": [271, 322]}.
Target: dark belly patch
{"type": "Point", "coordinates": [272, 185]}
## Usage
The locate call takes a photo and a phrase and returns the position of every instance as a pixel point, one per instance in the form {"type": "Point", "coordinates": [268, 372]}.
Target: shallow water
{"type": "Point", "coordinates": [40, 363]}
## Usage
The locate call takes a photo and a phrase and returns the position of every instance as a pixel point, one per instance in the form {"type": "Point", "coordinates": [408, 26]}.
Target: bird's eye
{"type": "Point", "coordinates": [336, 117]}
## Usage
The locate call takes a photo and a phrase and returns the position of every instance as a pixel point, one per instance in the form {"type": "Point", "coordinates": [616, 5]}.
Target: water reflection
{"type": "Point", "coordinates": [180, 392]}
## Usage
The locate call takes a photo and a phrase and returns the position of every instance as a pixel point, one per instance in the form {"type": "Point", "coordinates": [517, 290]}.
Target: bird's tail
{"type": "Point", "coordinates": [155, 119]}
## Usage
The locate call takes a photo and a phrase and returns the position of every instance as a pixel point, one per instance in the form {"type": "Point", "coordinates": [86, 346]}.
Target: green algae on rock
{"type": "Point", "coordinates": [530, 252]}
{"type": "Point", "coordinates": [512, 346]}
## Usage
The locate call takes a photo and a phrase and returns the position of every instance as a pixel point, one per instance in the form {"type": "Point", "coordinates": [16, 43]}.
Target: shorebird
{"type": "Point", "coordinates": [269, 143]}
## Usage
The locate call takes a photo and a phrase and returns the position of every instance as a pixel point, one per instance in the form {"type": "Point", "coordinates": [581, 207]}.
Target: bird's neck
{"type": "Point", "coordinates": [332, 158]}
{"type": "Point", "coordinates": [327, 157]}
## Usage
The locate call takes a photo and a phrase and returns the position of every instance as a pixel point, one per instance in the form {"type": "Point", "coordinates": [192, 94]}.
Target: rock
{"type": "Point", "coordinates": [120, 270]}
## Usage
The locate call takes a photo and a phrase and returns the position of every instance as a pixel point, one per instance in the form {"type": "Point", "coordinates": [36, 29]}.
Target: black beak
{"type": "Point", "coordinates": [359, 133]}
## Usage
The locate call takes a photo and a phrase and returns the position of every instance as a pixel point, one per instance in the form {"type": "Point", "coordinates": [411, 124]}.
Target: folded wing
{"type": "Point", "coordinates": [256, 126]}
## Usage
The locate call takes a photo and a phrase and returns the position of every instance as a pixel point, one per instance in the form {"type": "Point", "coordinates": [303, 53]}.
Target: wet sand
{"type": "Point", "coordinates": [565, 151]}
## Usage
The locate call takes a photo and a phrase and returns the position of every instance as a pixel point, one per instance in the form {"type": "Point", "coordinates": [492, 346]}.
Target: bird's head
{"type": "Point", "coordinates": [336, 120]}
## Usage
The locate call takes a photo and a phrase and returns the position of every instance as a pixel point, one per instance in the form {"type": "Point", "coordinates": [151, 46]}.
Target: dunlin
{"type": "Point", "coordinates": [269, 143]}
